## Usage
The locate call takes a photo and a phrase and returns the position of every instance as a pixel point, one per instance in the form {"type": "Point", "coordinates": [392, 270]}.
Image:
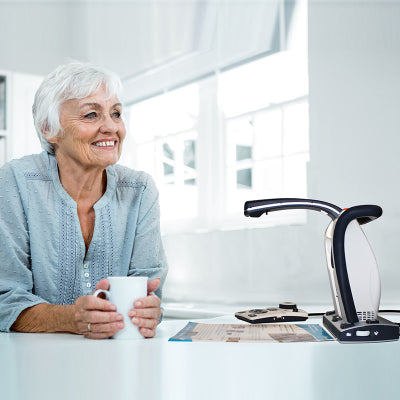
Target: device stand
{"type": "Point", "coordinates": [379, 330]}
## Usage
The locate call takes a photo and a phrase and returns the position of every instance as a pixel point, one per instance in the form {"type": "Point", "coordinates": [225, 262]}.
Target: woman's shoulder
{"type": "Point", "coordinates": [34, 165]}
{"type": "Point", "coordinates": [129, 177]}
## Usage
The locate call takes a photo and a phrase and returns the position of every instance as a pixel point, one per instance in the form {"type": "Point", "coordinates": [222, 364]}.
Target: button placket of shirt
{"type": "Point", "coordinates": [86, 273]}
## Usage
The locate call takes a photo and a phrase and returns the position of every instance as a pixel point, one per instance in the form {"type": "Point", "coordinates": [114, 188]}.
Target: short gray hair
{"type": "Point", "coordinates": [75, 80]}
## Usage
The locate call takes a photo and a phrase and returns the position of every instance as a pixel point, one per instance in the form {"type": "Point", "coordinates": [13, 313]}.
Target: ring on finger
{"type": "Point", "coordinates": [88, 327]}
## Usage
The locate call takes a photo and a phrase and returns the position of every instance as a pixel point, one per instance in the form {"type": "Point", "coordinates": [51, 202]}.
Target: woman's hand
{"type": "Point", "coordinates": [96, 318]}
{"type": "Point", "coordinates": [147, 311]}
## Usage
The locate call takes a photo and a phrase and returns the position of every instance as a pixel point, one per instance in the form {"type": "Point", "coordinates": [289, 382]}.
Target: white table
{"type": "Point", "coordinates": [59, 366]}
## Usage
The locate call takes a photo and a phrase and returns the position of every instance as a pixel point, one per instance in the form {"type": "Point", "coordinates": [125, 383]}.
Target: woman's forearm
{"type": "Point", "coordinates": [46, 318]}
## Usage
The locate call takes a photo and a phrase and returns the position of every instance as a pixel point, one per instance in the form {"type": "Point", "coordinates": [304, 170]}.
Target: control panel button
{"type": "Point", "coordinates": [288, 306]}
{"type": "Point", "coordinates": [363, 333]}
{"type": "Point", "coordinates": [346, 325]}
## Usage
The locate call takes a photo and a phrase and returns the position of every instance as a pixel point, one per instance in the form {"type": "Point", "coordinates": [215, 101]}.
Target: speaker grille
{"type": "Point", "coordinates": [364, 315]}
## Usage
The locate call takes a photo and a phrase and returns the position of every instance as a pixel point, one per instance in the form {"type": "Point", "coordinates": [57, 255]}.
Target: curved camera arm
{"type": "Point", "coordinates": [255, 208]}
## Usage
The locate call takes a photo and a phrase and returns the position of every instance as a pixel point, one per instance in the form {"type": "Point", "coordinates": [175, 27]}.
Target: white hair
{"type": "Point", "coordinates": [75, 80]}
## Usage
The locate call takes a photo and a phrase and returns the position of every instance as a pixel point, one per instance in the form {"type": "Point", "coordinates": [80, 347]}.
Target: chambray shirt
{"type": "Point", "coordinates": [42, 251]}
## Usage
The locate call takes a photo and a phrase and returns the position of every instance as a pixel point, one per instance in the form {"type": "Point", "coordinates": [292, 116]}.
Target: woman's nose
{"type": "Point", "coordinates": [108, 125]}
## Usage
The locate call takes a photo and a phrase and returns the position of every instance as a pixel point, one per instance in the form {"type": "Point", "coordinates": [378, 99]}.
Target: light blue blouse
{"type": "Point", "coordinates": [42, 252]}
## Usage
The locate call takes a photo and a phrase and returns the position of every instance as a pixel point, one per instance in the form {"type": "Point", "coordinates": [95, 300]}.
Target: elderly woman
{"type": "Point", "coordinates": [70, 217]}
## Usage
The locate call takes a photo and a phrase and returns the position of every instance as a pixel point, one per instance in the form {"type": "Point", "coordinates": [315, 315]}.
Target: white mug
{"type": "Point", "coordinates": [123, 292]}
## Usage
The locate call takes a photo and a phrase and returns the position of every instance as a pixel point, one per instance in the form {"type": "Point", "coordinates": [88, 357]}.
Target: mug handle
{"type": "Point", "coordinates": [98, 291]}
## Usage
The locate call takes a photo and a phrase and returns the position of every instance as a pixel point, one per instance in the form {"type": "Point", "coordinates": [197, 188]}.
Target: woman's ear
{"type": "Point", "coordinates": [46, 134]}
{"type": "Point", "coordinates": [53, 140]}
{"type": "Point", "coordinates": [46, 130]}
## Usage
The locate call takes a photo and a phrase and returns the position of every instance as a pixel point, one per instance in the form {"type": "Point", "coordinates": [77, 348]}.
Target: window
{"type": "Point", "coordinates": [266, 113]}
{"type": "Point", "coordinates": [237, 136]}
{"type": "Point", "coordinates": [267, 152]}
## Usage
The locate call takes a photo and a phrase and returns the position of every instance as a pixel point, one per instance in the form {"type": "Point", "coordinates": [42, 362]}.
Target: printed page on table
{"type": "Point", "coordinates": [265, 333]}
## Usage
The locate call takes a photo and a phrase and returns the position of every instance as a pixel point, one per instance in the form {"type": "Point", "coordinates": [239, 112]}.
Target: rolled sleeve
{"type": "Point", "coordinates": [16, 281]}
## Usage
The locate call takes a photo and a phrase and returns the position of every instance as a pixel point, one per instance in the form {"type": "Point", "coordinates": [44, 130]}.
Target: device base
{"type": "Point", "coordinates": [379, 330]}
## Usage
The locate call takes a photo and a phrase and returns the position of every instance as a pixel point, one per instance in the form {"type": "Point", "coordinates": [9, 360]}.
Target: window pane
{"type": "Point", "coordinates": [268, 178]}
{"type": "Point", "coordinates": [268, 134]}
{"type": "Point", "coordinates": [168, 151]}
{"type": "Point", "coordinates": [179, 193]}
{"type": "Point", "coordinates": [236, 197]}
{"type": "Point", "coordinates": [189, 155]}
{"type": "Point", "coordinates": [240, 139]}
{"type": "Point", "coordinates": [168, 169]}
{"type": "Point", "coordinates": [244, 178]}
{"type": "Point", "coordinates": [190, 182]}
{"type": "Point", "coordinates": [243, 152]}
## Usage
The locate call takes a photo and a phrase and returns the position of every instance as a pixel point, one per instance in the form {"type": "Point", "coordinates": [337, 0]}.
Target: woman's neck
{"type": "Point", "coordinates": [85, 185]}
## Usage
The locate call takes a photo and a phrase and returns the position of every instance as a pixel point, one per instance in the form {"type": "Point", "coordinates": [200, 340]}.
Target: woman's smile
{"type": "Point", "coordinates": [106, 144]}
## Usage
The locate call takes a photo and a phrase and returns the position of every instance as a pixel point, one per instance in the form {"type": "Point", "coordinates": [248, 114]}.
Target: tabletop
{"type": "Point", "coordinates": [62, 366]}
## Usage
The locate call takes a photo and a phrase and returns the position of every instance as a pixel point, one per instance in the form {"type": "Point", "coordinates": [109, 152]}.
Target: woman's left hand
{"type": "Point", "coordinates": [147, 311]}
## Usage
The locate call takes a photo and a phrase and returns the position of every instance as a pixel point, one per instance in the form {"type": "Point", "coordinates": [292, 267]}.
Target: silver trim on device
{"type": "Point", "coordinates": [322, 206]}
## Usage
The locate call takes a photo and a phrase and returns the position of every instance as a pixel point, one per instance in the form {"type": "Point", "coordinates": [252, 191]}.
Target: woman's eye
{"type": "Point", "coordinates": [91, 115]}
{"type": "Point", "coordinates": [116, 114]}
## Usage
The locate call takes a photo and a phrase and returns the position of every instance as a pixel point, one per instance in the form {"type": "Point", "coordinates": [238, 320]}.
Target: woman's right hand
{"type": "Point", "coordinates": [96, 318]}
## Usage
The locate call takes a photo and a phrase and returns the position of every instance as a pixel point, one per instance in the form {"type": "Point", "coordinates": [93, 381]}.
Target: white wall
{"type": "Point", "coordinates": [354, 64]}
{"type": "Point", "coordinates": [36, 36]}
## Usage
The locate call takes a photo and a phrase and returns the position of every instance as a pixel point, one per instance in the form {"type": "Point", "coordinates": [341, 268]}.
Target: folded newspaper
{"type": "Point", "coordinates": [266, 333]}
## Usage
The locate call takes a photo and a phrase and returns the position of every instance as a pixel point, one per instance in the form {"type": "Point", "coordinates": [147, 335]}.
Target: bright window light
{"type": "Point", "coordinates": [164, 134]}
{"type": "Point", "coordinates": [266, 112]}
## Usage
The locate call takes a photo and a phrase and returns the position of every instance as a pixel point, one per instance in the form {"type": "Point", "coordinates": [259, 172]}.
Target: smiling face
{"type": "Point", "coordinates": [93, 131]}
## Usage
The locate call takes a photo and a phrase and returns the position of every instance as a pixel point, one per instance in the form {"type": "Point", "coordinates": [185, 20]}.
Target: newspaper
{"type": "Point", "coordinates": [265, 333]}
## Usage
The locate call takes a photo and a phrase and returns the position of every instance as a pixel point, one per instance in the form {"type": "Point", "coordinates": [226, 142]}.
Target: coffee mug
{"type": "Point", "coordinates": [123, 292]}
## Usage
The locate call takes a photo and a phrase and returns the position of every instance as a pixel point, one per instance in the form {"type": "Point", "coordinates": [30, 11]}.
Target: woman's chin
{"type": "Point", "coordinates": [106, 159]}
